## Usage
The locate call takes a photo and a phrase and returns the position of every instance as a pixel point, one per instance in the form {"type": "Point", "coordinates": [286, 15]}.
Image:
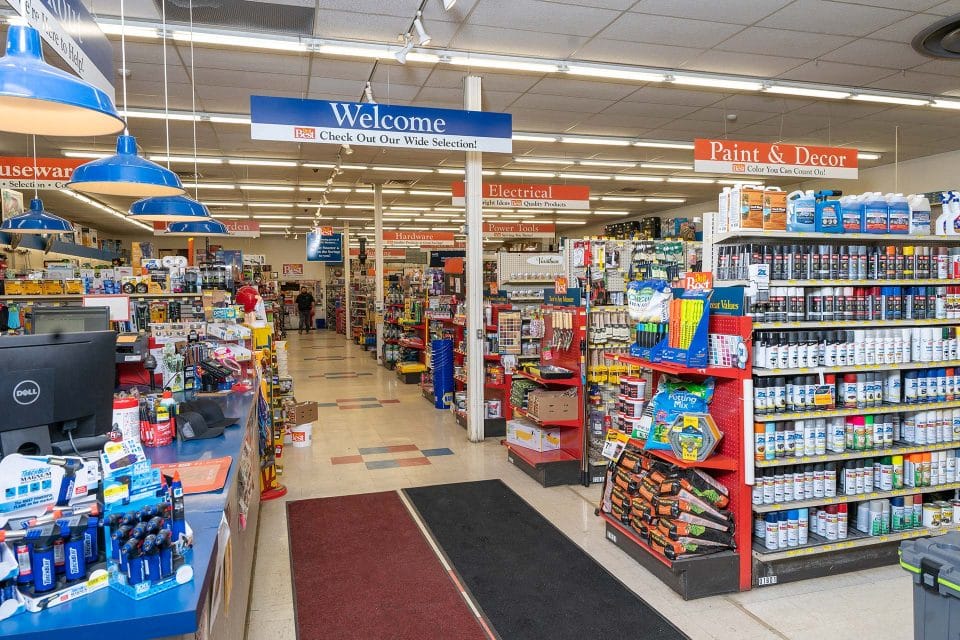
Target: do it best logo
{"type": "Point", "coordinates": [304, 133]}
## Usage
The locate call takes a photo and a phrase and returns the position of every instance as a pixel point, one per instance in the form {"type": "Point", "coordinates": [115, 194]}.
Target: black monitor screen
{"type": "Point", "coordinates": [70, 319]}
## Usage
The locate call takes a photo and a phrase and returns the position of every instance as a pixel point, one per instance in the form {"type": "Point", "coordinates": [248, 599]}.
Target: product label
{"type": "Point", "coordinates": [851, 220]}
{"type": "Point", "coordinates": [875, 220]}
{"type": "Point", "coordinates": [899, 221]}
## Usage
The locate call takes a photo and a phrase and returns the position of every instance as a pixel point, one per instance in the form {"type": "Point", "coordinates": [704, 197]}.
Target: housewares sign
{"type": "Point", "coordinates": [379, 125]}
{"type": "Point", "coordinates": [50, 173]}
{"type": "Point", "coordinates": [528, 196]}
{"type": "Point", "coordinates": [774, 159]}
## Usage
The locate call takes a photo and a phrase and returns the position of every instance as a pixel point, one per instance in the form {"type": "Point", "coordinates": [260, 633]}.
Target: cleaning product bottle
{"type": "Point", "coordinates": [947, 222]}
{"type": "Point", "coordinates": [851, 214]}
{"type": "Point", "coordinates": [723, 211]}
{"type": "Point", "coordinates": [874, 213]}
{"type": "Point", "coordinates": [827, 211]}
{"type": "Point", "coordinates": [920, 215]}
{"type": "Point", "coordinates": [898, 213]}
{"type": "Point", "coordinates": [801, 211]}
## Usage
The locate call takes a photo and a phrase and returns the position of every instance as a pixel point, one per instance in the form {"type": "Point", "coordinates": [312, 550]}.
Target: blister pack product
{"type": "Point", "coordinates": [649, 300]}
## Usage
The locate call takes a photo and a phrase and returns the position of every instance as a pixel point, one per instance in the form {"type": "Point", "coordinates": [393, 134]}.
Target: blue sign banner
{"type": "Point", "coordinates": [572, 298]}
{"type": "Point", "coordinates": [379, 125]}
{"type": "Point", "coordinates": [324, 248]}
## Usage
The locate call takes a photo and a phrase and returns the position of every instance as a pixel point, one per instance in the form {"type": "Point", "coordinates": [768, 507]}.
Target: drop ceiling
{"type": "Point", "coordinates": [860, 43]}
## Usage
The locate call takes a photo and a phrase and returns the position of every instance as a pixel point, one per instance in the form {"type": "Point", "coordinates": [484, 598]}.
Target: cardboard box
{"type": "Point", "coordinates": [774, 210]}
{"type": "Point", "coordinates": [751, 208]}
{"type": "Point", "coordinates": [553, 405]}
{"type": "Point", "coordinates": [305, 412]}
{"type": "Point", "coordinates": [525, 434]}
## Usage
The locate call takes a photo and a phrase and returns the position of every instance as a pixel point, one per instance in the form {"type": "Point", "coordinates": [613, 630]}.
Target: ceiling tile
{"type": "Point", "coordinates": [763, 41]}
{"type": "Point", "coordinates": [402, 8]}
{"type": "Point", "coordinates": [906, 5]}
{"type": "Point", "coordinates": [633, 121]}
{"type": "Point", "coordinates": [747, 64]}
{"type": "Point", "coordinates": [275, 83]}
{"type": "Point", "coordinates": [736, 11]}
{"type": "Point", "coordinates": [836, 73]}
{"type": "Point", "coordinates": [878, 53]}
{"type": "Point", "coordinates": [550, 17]}
{"type": "Point", "coordinates": [905, 30]}
{"type": "Point", "coordinates": [352, 88]}
{"type": "Point", "coordinates": [551, 85]}
{"type": "Point", "coordinates": [387, 93]}
{"type": "Point", "coordinates": [824, 16]}
{"type": "Point", "coordinates": [618, 5]}
{"type": "Point", "coordinates": [497, 100]}
{"type": "Point", "coordinates": [514, 41]}
{"type": "Point", "coordinates": [948, 8]}
{"type": "Point", "coordinates": [761, 102]}
{"type": "Point", "coordinates": [624, 52]}
{"type": "Point", "coordinates": [574, 105]}
{"type": "Point", "coordinates": [451, 78]}
{"type": "Point", "coordinates": [664, 95]}
{"type": "Point", "coordinates": [457, 13]}
{"type": "Point", "coordinates": [842, 111]}
{"type": "Point", "coordinates": [247, 61]}
{"type": "Point", "coordinates": [670, 31]}
{"type": "Point", "coordinates": [919, 82]}
{"type": "Point", "coordinates": [649, 109]}
{"type": "Point", "coordinates": [430, 96]}
{"type": "Point", "coordinates": [942, 67]}
{"type": "Point", "coordinates": [132, 9]}
{"type": "Point", "coordinates": [350, 25]}
{"type": "Point", "coordinates": [585, 128]}
{"type": "Point", "coordinates": [719, 114]}
{"type": "Point", "coordinates": [391, 72]}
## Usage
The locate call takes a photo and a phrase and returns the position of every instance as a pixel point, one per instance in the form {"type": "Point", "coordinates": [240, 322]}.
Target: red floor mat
{"type": "Point", "coordinates": [363, 570]}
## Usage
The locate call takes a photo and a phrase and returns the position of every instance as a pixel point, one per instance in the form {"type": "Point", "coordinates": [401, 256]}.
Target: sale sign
{"type": "Point", "coordinates": [519, 229]}
{"type": "Point", "coordinates": [49, 173]}
{"type": "Point", "coordinates": [774, 159]}
{"type": "Point", "coordinates": [527, 196]}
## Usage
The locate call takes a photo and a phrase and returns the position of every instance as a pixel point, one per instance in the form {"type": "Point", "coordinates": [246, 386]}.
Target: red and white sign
{"type": "Point", "coordinates": [372, 253]}
{"type": "Point", "coordinates": [51, 173]}
{"type": "Point", "coordinates": [519, 229]}
{"type": "Point", "coordinates": [528, 196]}
{"type": "Point", "coordinates": [419, 239]}
{"type": "Point", "coordinates": [294, 269]}
{"type": "Point", "coordinates": [243, 228]}
{"type": "Point", "coordinates": [325, 231]}
{"type": "Point", "coordinates": [774, 159]}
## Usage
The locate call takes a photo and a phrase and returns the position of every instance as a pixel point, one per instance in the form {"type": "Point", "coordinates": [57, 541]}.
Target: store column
{"type": "Point", "coordinates": [475, 334]}
{"type": "Point", "coordinates": [378, 263]}
{"type": "Point", "coordinates": [348, 331]}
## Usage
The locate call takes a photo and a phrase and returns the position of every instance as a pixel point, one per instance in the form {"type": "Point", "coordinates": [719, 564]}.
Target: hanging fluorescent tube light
{"type": "Point", "coordinates": [626, 177]}
{"type": "Point", "coordinates": [693, 180]}
{"type": "Point", "coordinates": [529, 160]}
{"type": "Point", "coordinates": [220, 39]}
{"type": "Point", "coordinates": [318, 165]}
{"type": "Point", "coordinates": [209, 185]}
{"type": "Point", "coordinates": [665, 165]}
{"type": "Point", "coordinates": [587, 176]}
{"type": "Point", "coordinates": [260, 162]}
{"type": "Point", "coordinates": [613, 73]}
{"type": "Point", "coordinates": [533, 137]}
{"type": "Point", "coordinates": [603, 212]}
{"type": "Point", "coordinates": [528, 174]}
{"type": "Point", "coordinates": [717, 83]}
{"type": "Point", "coordinates": [607, 163]}
{"type": "Point", "coordinates": [403, 169]}
{"type": "Point", "coordinates": [265, 187]}
{"type": "Point", "coordinates": [865, 155]}
{"type": "Point", "coordinates": [500, 63]}
{"type": "Point", "coordinates": [570, 222]}
{"type": "Point", "coordinates": [93, 155]}
{"type": "Point", "coordinates": [869, 97]}
{"type": "Point", "coordinates": [652, 144]}
{"type": "Point", "coordinates": [184, 159]}
{"type": "Point", "coordinates": [612, 142]}
{"type": "Point", "coordinates": [807, 93]}
{"type": "Point", "coordinates": [667, 200]}
{"type": "Point", "coordinates": [622, 199]}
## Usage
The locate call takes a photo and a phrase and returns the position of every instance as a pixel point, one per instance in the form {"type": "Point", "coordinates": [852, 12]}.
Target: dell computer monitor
{"type": "Point", "coordinates": [70, 319]}
{"type": "Point", "coordinates": [54, 387]}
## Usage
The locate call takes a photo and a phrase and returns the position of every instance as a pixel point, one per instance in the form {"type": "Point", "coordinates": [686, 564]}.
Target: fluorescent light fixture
{"type": "Point", "coordinates": [653, 144]}
{"type": "Point", "coordinates": [226, 204]}
{"type": "Point", "coordinates": [274, 226]}
{"type": "Point", "coordinates": [353, 219]}
{"type": "Point", "coordinates": [230, 119]}
{"type": "Point", "coordinates": [587, 176]}
{"type": "Point", "coordinates": [186, 159]}
{"type": "Point", "coordinates": [403, 169]}
{"type": "Point", "coordinates": [96, 155]}
{"type": "Point", "coordinates": [637, 178]}
{"type": "Point", "coordinates": [159, 115]}
{"type": "Point", "coordinates": [501, 63]}
{"type": "Point", "coordinates": [667, 200]}
{"type": "Point", "coordinates": [864, 155]}
{"type": "Point", "coordinates": [418, 228]}
{"type": "Point", "coordinates": [423, 38]}
{"type": "Point", "coordinates": [354, 51]}
{"type": "Point", "coordinates": [622, 199]}
{"type": "Point", "coordinates": [528, 174]}
{"type": "Point", "coordinates": [448, 4]}
{"type": "Point", "coordinates": [533, 137]}
{"type": "Point", "coordinates": [694, 180]}
{"type": "Point", "coordinates": [569, 212]}
{"type": "Point", "coordinates": [266, 187]}
{"type": "Point", "coordinates": [452, 172]}
{"type": "Point", "coordinates": [423, 192]}
{"type": "Point", "coordinates": [432, 219]}
{"type": "Point", "coordinates": [442, 228]}
{"type": "Point", "coordinates": [356, 167]}
{"type": "Point", "coordinates": [717, 83]}
{"type": "Point", "coordinates": [273, 44]}
{"type": "Point", "coordinates": [128, 31]}
{"type": "Point", "coordinates": [488, 172]}
{"type": "Point", "coordinates": [807, 93]}
{"type": "Point", "coordinates": [389, 191]}
{"type": "Point", "coordinates": [665, 165]}
{"type": "Point", "coordinates": [261, 162]}
{"type": "Point", "coordinates": [360, 207]}
{"type": "Point", "coordinates": [742, 181]}
{"type": "Point", "coordinates": [611, 72]}
{"type": "Point", "coordinates": [209, 185]}
{"type": "Point", "coordinates": [318, 165]}
{"type": "Point", "coordinates": [612, 142]}
{"type": "Point", "coordinates": [451, 209]}
{"type": "Point", "coordinates": [318, 189]}
{"type": "Point", "coordinates": [529, 160]}
{"type": "Point", "coordinates": [870, 97]}
{"type": "Point", "coordinates": [570, 222]}
{"type": "Point", "coordinates": [267, 216]}
{"type": "Point", "coordinates": [611, 213]}
{"type": "Point", "coordinates": [607, 163]}
{"type": "Point", "coordinates": [229, 216]}
{"type": "Point", "coordinates": [272, 205]}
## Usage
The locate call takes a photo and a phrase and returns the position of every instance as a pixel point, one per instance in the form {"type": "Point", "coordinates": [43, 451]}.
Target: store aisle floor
{"type": "Point", "coordinates": [376, 434]}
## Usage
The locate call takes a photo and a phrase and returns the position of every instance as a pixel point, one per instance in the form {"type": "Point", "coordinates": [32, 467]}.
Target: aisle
{"type": "Point", "coordinates": [376, 434]}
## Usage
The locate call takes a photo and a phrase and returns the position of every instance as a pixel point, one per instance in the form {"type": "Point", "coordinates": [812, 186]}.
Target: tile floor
{"type": "Point", "coordinates": [346, 441]}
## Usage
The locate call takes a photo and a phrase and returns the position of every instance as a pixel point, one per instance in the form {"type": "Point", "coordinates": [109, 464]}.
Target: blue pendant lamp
{"type": "Point", "coordinates": [125, 174]}
{"type": "Point", "coordinates": [169, 209]}
{"type": "Point", "coordinates": [36, 221]}
{"type": "Point", "coordinates": [209, 227]}
{"type": "Point", "coordinates": [43, 100]}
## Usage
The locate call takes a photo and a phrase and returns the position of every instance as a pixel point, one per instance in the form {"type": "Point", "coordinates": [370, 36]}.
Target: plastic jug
{"type": "Point", "coordinates": [950, 218]}
{"type": "Point", "coordinates": [801, 211]}
{"type": "Point", "coordinates": [827, 212]}
{"type": "Point", "coordinates": [898, 213]}
{"type": "Point", "coordinates": [851, 214]}
{"type": "Point", "coordinates": [874, 213]}
{"type": "Point", "coordinates": [920, 215]}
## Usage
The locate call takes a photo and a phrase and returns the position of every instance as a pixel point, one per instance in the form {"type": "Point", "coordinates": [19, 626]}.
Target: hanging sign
{"type": "Point", "coordinates": [294, 269]}
{"type": "Point", "coordinates": [379, 125]}
{"type": "Point", "coordinates": [774, 159]}
{"type": "Point", "coordinates": [419, 238]}
{"type": "Point", "coordinates": [519, 229]}
{"type": "Point", "coordinates": [243, 228]}
{"type": "Point", "coordinates": [322, 248]}
{"type": "Point", "coordinates": [68, 27]}
{"type": "Point", "coordinates": [325, 231]}
{"type": "Point", "coordinates": [527, 196]}
{"type": "Point", "coordinates": [50, 173]}
{"type": "Point", "coordinates": [572, 297]}
{"type": "Point", "coordinates": [372, 253]}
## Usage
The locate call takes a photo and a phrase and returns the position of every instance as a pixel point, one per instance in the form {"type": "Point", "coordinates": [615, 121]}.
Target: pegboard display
{"type": "Point", "coordinates": [528, 269]}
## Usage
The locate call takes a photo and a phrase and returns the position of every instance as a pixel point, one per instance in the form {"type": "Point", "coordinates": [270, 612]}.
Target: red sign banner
{"type": "Point", "coordinates": [294, 269]}
{"type": "Point", "coordinates": [372, 252]}
{"type": "Point", "coordinates": [50, 173]}
{"type": "Point", "coordinates": [528, 196]}
{"type": "Point", "coordinates": [243, 228]}
{"type": "Point", "coordinates": [418, 239]}
{"type": "Point", "coordinates": [774, 159]}
{"type": "Point", "coordinates": [519, 229]}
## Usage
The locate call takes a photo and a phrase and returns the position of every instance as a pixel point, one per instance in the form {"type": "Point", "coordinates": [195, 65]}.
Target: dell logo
{"type": "Point", "coordinates": [26, 392]}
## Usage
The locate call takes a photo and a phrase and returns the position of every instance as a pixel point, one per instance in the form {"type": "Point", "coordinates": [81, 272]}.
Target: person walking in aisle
{"type": "Point", "coordinates": [305, 304]}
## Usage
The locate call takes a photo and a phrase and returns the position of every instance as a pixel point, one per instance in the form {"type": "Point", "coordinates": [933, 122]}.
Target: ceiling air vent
{"type": "Point", "coordinates": [940, 40]}
{"type": "Point", "coordinates": [277, 16]}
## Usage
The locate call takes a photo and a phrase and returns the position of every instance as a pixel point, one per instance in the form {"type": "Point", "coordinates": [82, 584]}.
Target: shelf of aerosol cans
{"type": "Point", "coordinates": [855, 538]}
{"type": "Point", "coordinates": [843, 324]}
{"type": "Point", "coordinates": [859, 497]}
{"type": "Point", "coordinates": [766, 373]}
{"type": "Point", "coordinates": [912, 407]}
{"type": "Point", "coordinates": [886, 238]}
{"type": "Point", "coordinates": [931, 282]}
{"type": "Point", "coordinates": [853, 454]}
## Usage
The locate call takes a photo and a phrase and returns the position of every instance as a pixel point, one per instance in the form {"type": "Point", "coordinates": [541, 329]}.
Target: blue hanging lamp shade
{"type": "Point", "coordinates": [125, 174]}
{"type": "Point", "coordinates": [36, 221]}
{"type": "Point", "coordinates": [43, 100]}
{"type": "Point", "coordinates": [169, 209]}
{"type": "Point", "coordinates": [209, 227]}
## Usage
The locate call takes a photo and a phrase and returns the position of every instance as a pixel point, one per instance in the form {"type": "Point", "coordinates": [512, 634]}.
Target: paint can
{"type": "Point", "coordinates": [632, 387]}
{"type": "Point", "coordinates": [631, 407]}
{"type": "Point", "coordinates": [493, 408]}
{"type": "Point", "coordinates": [126, 418]}
{"type": "Point", "coordinates": [931, 516]}
{"type": "Point", "coordinates": [946, 513]}
{"type": "Point", "coordinates": [301, 436]}
{"type": "Point", "coordinates": [956, 511]}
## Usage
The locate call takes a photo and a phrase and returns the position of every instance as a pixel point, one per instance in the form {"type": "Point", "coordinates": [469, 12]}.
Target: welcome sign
{"type": "Point", "coordinates": [773, 159]}
{"type": "Point", "coordinates": [379, 125]}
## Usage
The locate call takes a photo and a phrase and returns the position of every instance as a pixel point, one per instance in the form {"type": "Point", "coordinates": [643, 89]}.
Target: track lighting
{"type": "Point", "coordinates": [448, 4]}
{"type": "Point", "coordinates": [330, 181]}
{"type": "Point", "coordinates": [347, 150]}
{"type": "Point", "coordinates": [423, 38]}
{"type": "Point", "coordinates": [368, 93]}
{"type": "Point", "coordinates": [401, 55]}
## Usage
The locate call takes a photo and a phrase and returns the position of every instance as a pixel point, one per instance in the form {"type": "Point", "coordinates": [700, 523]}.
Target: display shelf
{"type": "Point", "coordinates": [536, 458]}
{"type": "Point", "coordinates": [840, 324]}
{"type": "Point", "coordinates": [522, 282]}
{"type": "Point", "coordinates": [410, 345]}
{"type": "Point", "coordinates": [545, 423]}
{"type": "Point", "coordinates": [31, 241]}
{"type": "Point", "coordinates": [718, 462]}
{"type": "Point", "coordinates": [491, 357]}
{"type": "Point", "coordinates": [895, 450]}
{"type": "Point", "coordinates": [870, 411]}
{"type": "Point", "coordinates": [427, 392]}
{"type": "Point", "coordinates": [460, 353]}
{"type": "Point", "coordinates": [886, 238]}
{"type": "Point", "coordinates": [856, 367]}
{"type": "Point", "coordinates": [573, 381]}
{"type": "Point", "coordinates": [934, 282]}
{"type": "Point", "coordinates": [624, 530]}
{"type": "Point", "coordinates": [504, 386]}
{"type": "Point", "coordinates": [855, 538]}
{"type": "Point", "coordinates": [527, 299]}
{"type": "Point", "coordinates": [527, 356]}
{"type": "Point", "coordinates": [860, 497]}
{"type": "Point", "coordinates": [460, 379]}
{"type": "Point", "coordinates": [677, 369]}
{"type": "Point", "coordinates": [81, 296]}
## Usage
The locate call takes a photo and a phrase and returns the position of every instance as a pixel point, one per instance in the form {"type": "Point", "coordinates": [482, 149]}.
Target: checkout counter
{"type": "Point", "coordinates": [214, 605]}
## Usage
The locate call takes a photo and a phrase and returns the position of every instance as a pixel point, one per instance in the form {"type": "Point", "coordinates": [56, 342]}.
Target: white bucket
{"type": "Point", "coordinates": [301, 435]}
